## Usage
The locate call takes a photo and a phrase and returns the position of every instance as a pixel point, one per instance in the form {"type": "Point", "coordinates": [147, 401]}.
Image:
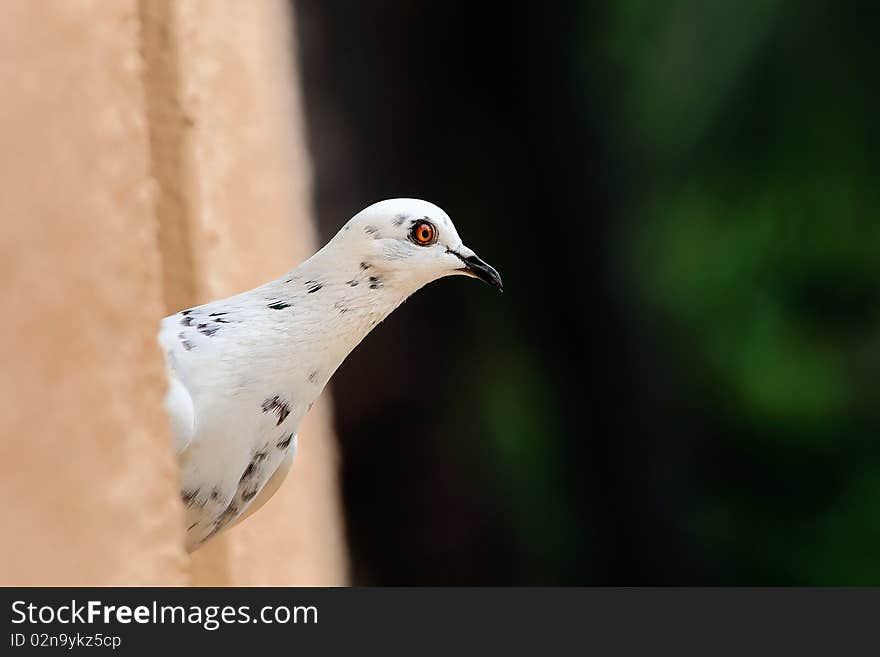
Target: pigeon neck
{"type": "Point", "coordinates": [344, 302]}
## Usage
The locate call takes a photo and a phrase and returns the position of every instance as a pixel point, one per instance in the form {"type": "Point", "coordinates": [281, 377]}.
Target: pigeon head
{"type": "Point", "coordinates": [411, 241]}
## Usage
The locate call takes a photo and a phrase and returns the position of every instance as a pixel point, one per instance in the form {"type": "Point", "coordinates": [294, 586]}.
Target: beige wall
{"type": "Point", "coordinates": [153, 158]}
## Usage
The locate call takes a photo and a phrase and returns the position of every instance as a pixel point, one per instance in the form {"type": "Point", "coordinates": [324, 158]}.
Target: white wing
{"type": "Point", "coordinates": [178, 402]}
{"type": "Point", "coordinates": [179, 405]}
{"type": "Point", "coordinates": [231, 435]}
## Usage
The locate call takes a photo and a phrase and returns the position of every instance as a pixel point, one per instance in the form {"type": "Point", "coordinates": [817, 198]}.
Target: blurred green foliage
{"type": "Point", "coordinates": [751, 236]}
{"type": "Point", "coordinates": [679, 385]}
{"type": "Point", "coordinates": [529, 464]}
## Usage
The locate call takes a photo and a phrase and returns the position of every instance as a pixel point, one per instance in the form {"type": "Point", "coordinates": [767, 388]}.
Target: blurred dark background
{"type": "Point", "coordinates": [679, 384]}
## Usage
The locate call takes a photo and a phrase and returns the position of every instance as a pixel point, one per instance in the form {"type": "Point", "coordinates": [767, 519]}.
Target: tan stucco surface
{"type": "Point", "coordinates": [153, 158]}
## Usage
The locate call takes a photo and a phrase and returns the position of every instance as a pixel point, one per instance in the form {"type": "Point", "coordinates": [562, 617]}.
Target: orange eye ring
{"type": "Point", "coordinates": [423, 233]}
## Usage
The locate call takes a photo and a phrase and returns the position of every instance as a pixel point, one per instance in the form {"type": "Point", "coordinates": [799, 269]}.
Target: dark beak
{"type": "Point", "coordinates": [475, 267]}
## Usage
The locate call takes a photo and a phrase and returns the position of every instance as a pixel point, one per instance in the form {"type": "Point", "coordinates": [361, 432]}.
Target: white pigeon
{"type": "Point", "coordinates": [245, 370]}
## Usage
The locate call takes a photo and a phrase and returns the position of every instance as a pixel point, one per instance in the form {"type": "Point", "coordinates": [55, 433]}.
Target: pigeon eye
{"type": "Point", "coordinates": [423, 233]}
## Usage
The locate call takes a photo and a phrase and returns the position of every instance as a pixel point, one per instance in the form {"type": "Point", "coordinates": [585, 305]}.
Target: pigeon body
{"type": "Point", "coordinates": [244, 371]}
